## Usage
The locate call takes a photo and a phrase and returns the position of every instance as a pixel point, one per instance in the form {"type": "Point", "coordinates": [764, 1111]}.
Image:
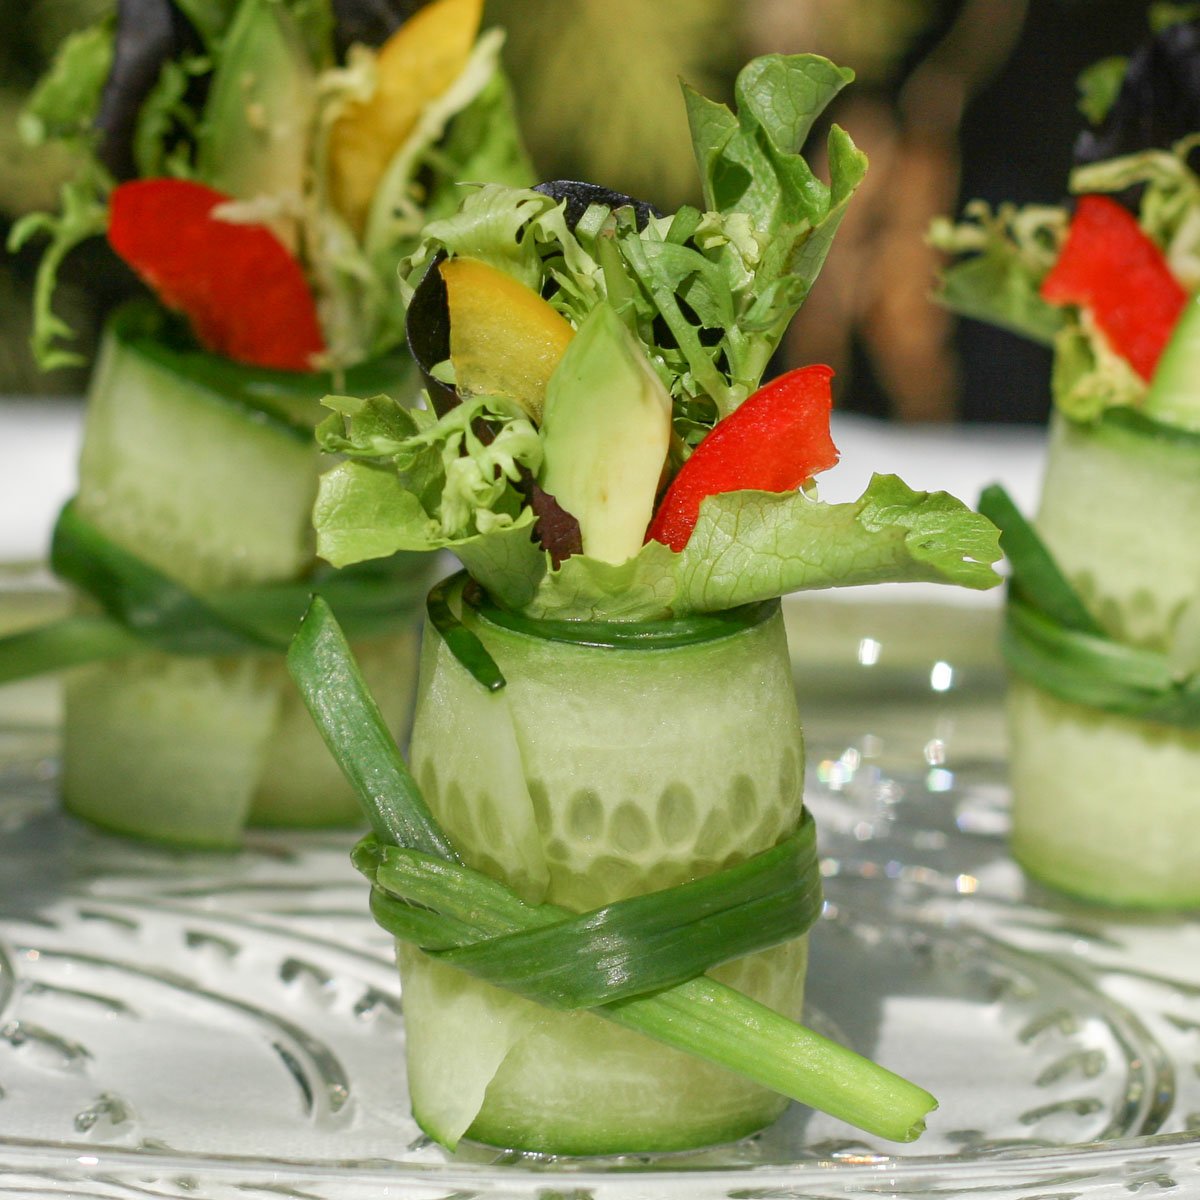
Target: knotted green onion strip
{"type": "Point", "coordinates": [424, 894]}
{"type": "Point", "coordinates": [625, 949]}
{"type": "Point", "coordinates": [141, 608]}
{"type": "Point", "coordinates": [1052, 640]}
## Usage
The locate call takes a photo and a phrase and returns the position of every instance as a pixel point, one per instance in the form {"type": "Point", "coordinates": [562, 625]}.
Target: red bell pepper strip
{"type": "Point", "coordinates": [772, 442]}
{"type": "Point", "coordinates": [243, 293]}
{"type": "Point", "coordinates": [1111, 268]}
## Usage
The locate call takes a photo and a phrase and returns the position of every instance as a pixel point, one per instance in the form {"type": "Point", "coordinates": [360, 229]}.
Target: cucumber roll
{"type": "Point", "coordinates": [260, 168]}
{"type": "Point", "coordinates": [607, 760]}
{"type": "Point", "coordinates": [1103, 628]}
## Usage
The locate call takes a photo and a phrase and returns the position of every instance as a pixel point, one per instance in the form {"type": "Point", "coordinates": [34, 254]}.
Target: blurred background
{"type": "Point", "coordinates": [954, 99]}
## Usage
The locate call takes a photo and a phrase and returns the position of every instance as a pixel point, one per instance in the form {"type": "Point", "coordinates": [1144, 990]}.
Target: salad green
{"type": "Point", "coordinates": [702, 300]}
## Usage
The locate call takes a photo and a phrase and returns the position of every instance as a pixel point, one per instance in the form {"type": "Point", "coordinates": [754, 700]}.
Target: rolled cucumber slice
{"type": "Point", "coordinates": [1117, 506]}
{"type": "Point", "coordinates": [620, 771]}
{"type": "Point", "coordinates": [166, 748]}
{"type": "Point", "coordinates": [202, 488]}
{"type": "Point", "coordinates": [191, 750]}
{"type": "Point", "coordinates": [207, 470]}
{"type": "Point", "coordinates": [1107, 807]}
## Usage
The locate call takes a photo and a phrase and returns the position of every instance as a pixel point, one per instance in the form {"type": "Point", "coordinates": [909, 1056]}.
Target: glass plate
{"type": "Point", "coordinates": [230, 1026]}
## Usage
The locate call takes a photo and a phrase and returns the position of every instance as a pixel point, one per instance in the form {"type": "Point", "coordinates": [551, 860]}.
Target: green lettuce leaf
{"type": "Point", "coordinates": [586, 589]}
{"type": "Point", "coordinates": [83, 215]}
{"type": "Point", "coordinates": [775, 219]}
{"type": "Point", "coordinates": [751, 162]}
{"type": "Point", "coordinates": [1004, 256]}
{"type": "Point", "coordinates": [747, 546]}
{"type": "Point", "coordinates": [63, 108]}
{"type": "Point", "coordinates": [365, 511]}
{"type": "Point", "coordinates": [1088, 376]}
{"type": "Point", "coordinates": [1099, 85]}
{"type": "Point", "coordinates": [465, 483]}
{"type": "Point", "coordinates": [753, 545]}
{"type": "Point", "coordinates": [66, 99]}
{"type": "Point", "coordinates": [750, 546]}
{"type": "Point", "coordinates": [507, 562]}
{"type": "Point", "coordinates": [414, 481]}
{"type": "Point", "coordinates": [158, 148]}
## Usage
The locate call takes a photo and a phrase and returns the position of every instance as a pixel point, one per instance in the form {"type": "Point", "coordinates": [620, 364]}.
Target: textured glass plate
{"type": "Point", "coordinates": [230, 1025]}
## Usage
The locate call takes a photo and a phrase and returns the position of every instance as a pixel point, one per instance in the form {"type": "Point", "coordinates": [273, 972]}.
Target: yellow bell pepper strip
{"type": "Point", "coordinates": [415, 65]}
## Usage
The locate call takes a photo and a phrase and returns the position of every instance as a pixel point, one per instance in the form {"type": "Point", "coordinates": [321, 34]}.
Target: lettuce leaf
{"type": "Point", "coordinates": [364, 511]}
{"type": "Point", "coordinates": [463, 482]}
{"type": "Point", "coordinates": [83, 215]}
{"type": "Point", "coordinates": [165, 121]}
{"type": "Point", "coordinates": [63, 106]}
{"type": "Point", "coordinates": [753, 545]}
{"type": "Point", "coordinates": [750, 546]}
{"type": "Point", "coordinates": [1099, 86]}
{"type": "Point", "coordinates": [1004, 256]}
{"type": "Point", "coordinates": [711, 294]}
{"type": "Point", "coordinates": [747, 546]}
{"type": "Point", "coordinates": [778, 222]}
{"type": "Point", "coordinates": [586, 589]}
{"type": "Point", "coordinates": [1088, 376]}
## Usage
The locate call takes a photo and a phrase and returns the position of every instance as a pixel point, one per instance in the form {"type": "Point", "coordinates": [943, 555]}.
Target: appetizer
{"type": "Point", "coordinates": [1103, 611]}
{"type": "Point", "coordinates": [606, 792]}
{"type": "Point", "coordinates": [262, 170]}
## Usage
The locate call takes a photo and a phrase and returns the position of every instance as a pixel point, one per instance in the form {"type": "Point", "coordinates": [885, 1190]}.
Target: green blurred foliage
{"type": "Point", "coordinates": [29, 182]}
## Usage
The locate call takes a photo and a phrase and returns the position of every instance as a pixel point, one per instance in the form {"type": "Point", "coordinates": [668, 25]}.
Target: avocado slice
{"type": "Point", "coordinates": [606, 428]}
{"type": "Point", "coordinates": [257, 122]}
